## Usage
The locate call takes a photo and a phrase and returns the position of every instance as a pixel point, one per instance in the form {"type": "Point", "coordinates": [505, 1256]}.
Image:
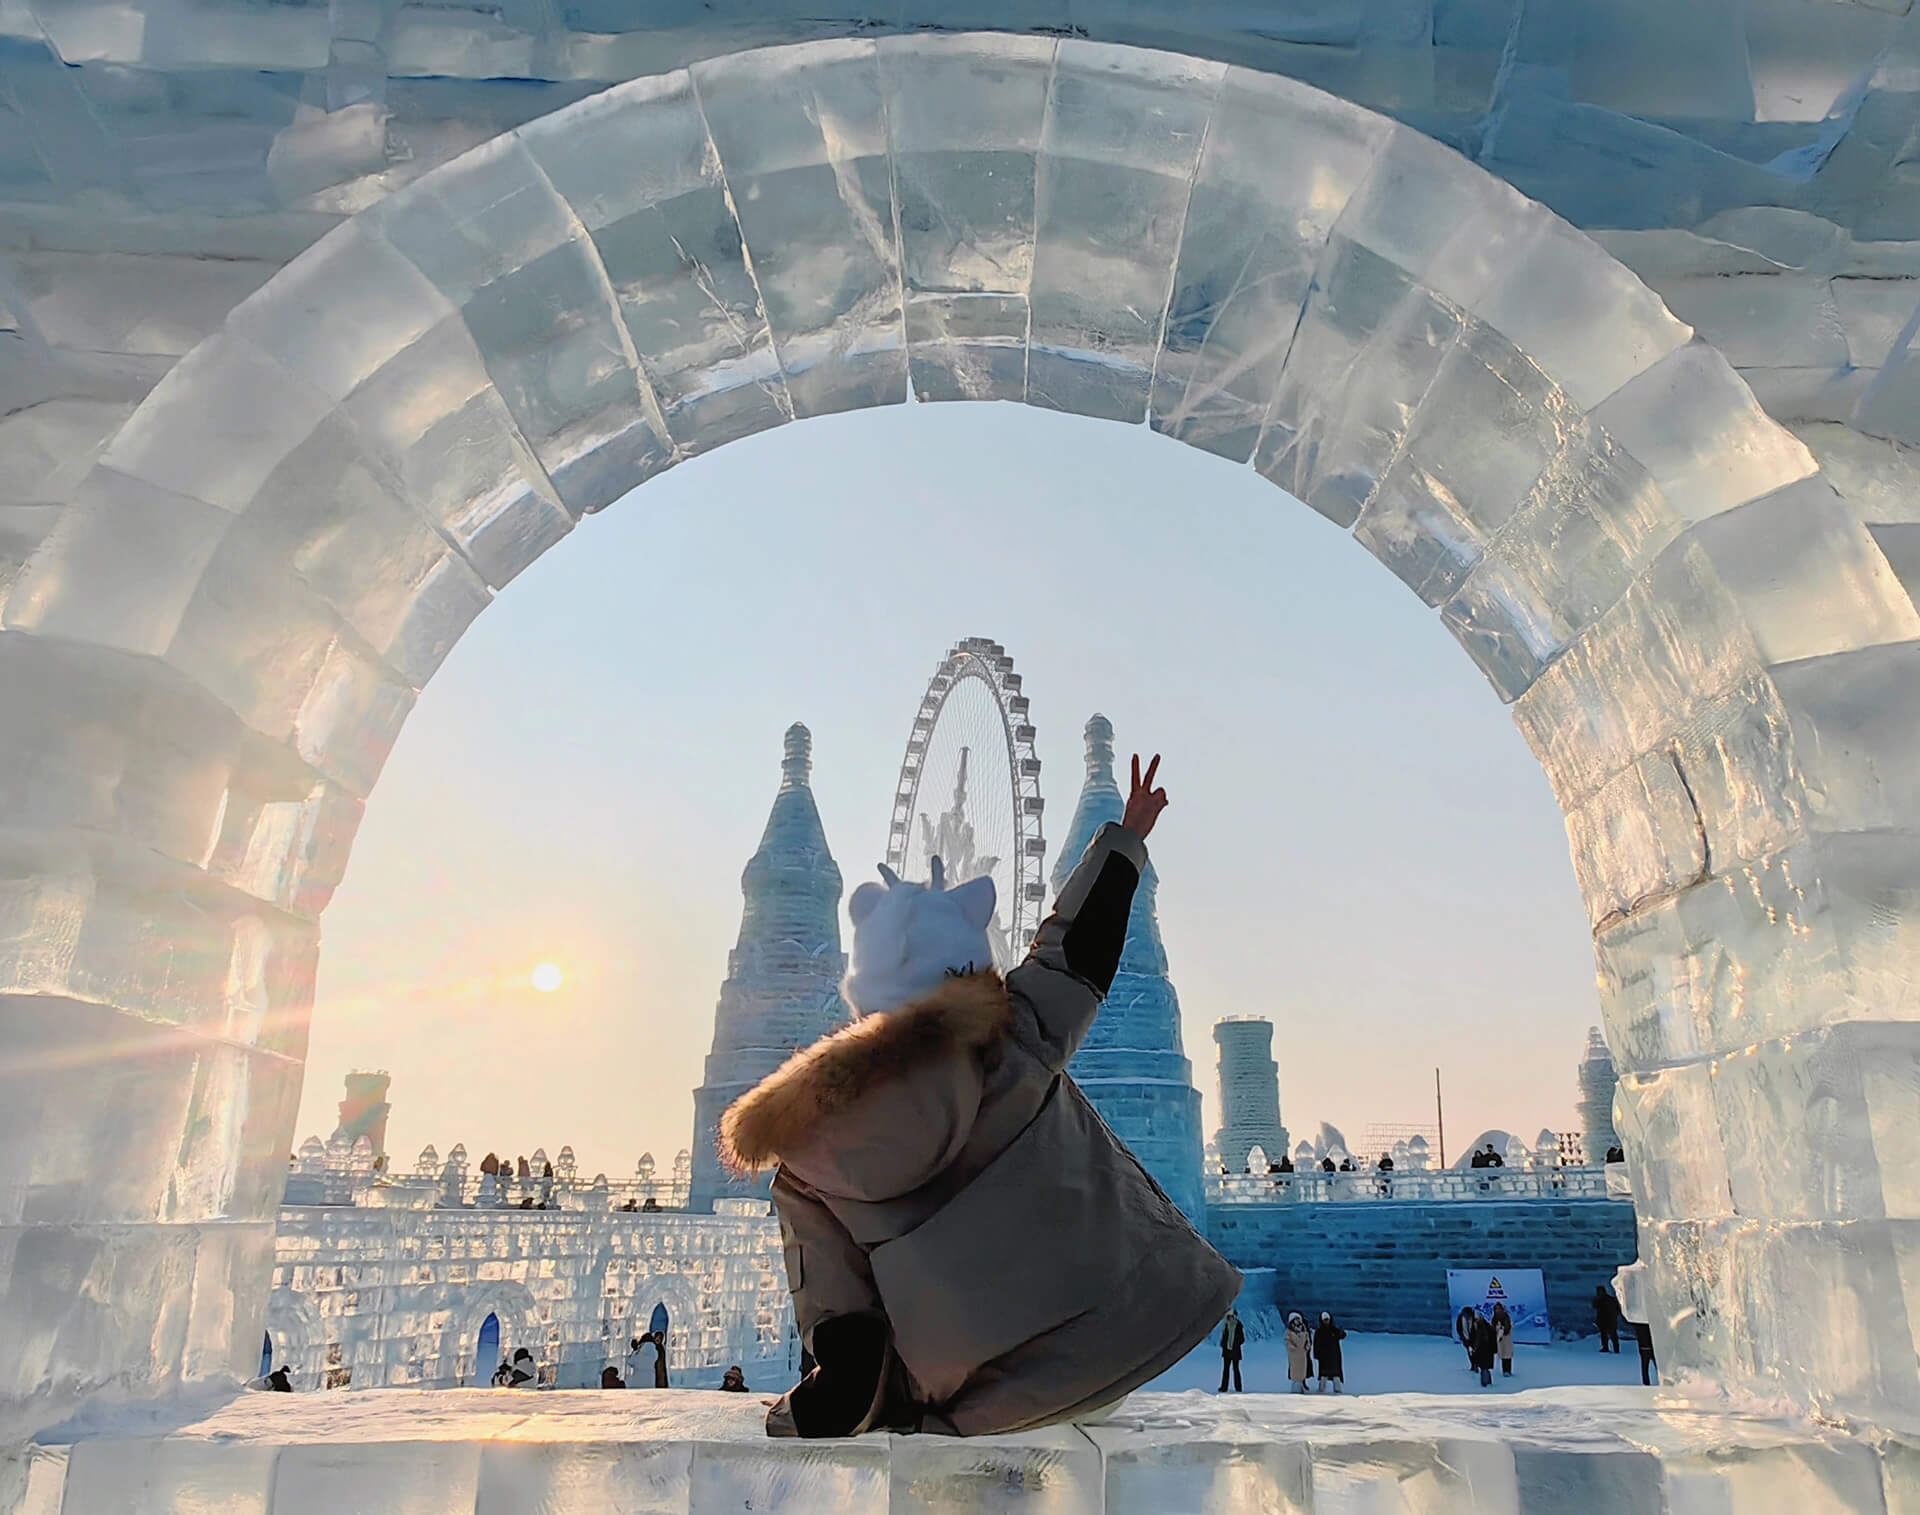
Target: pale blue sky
{"type": "Point", "coordinates": [1359, 845]}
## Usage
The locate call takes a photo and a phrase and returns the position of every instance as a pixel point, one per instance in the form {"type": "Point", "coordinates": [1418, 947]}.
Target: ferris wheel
{"type": "Point", "coordinates": [971, 753]}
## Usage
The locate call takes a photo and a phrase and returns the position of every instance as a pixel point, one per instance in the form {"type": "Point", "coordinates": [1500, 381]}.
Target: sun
{"type": "Point", "coordinates": [548, 977]}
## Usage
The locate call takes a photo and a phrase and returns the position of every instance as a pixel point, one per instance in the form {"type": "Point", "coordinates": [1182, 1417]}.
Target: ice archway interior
{"type": "Point", "coordinates": [208, 659]}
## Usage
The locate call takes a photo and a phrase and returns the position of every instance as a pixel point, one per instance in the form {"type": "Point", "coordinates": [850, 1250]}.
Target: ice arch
{"type": "Point", "coordinates": [208, 659]}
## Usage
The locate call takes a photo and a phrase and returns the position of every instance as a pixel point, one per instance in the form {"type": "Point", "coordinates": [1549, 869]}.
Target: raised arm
{"type": "Point", "coordinates": [1077, 950]}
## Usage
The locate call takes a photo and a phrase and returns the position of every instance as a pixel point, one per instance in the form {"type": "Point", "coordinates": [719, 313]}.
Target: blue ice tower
{"type": "Point", "coordinates": [782, 990]}
{"type": "Point", "coordinates": [1132, 1065]}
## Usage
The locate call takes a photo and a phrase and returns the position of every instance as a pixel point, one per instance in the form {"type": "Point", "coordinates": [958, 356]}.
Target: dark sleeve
{"type": "Point", "coordinates": [1076, 952]}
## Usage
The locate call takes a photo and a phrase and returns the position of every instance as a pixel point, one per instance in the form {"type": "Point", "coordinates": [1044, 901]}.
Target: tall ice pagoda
{"type": "Point", "coordinates": [1132, 1065]}
{"type": "Point", "coordinates": [782, 990]}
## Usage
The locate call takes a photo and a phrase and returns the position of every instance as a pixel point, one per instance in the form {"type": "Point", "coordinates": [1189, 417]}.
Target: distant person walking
{"type": "Point", "coordinates": [1606, 1315]}
{"type": "Point", "coordinates": [1643, 1335]}
{"type": "Point", "coordinates": [1299, 1353]}
{"type": "Point", "coordinates": [1326, 1352]}
{"type": "Point", "coordinates": [1233, 1340]}
{"type": "Point", "coordinates": [733, 1381]}
{"type": "Point", "coordinates": [1481, 1347]}
{"type": "Point", "coordinates": [1503, 1339]}
{"type": "Point", "coordinates": [659, 1341]}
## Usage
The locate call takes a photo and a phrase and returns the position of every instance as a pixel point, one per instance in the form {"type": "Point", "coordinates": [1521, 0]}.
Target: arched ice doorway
{"type": "Point", "coordinates": [207, 661]}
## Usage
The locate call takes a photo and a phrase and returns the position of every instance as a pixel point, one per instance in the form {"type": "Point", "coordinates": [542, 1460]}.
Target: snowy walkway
{"type": "Point", "coordinates": [1577, 1451]}
{"type": "Point", "coordinates": [1383, 1364]}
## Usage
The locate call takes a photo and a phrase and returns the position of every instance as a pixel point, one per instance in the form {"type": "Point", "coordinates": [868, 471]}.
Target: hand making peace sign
{"type": "Point", "coordinates": [1145, 803]}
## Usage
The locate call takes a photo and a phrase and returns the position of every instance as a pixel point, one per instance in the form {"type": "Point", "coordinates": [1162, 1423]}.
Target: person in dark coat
{"type": "Point", "coordinates": [1326, 1353]}
{"type": "Point", "coordinates": [1606, 1315]}
{"type": "Point", "coordinates": [916, 1148]}
{"type": "Point", "coordinates": [1482, 1346]}
{"type": "Point", "coordinates": [1326, 1165]}
{"type": "Point", "coordinates": [279, 1381]}
{"type": "Point", "coordinates": [1463, 1329]}
{"type": "Point", "coordinates": [1503, 1338]}
{"type": "Point", "coordinates": [1643, 1335]}
{"type": "Point", "coordinates": [610, 1378]}
{"type": "Point", "coordinates": [733, 1381]}
{"type": "Point", "coordinates": [1233, 1340]}
{"type": "Point", "coordinates": [659, 1359]}
{"type": "Point", "coordinates": [522, 1373]}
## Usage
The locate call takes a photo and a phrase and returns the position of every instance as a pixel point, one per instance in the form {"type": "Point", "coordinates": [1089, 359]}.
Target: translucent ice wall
{"type": "Point", "coordinates": [206, 661]}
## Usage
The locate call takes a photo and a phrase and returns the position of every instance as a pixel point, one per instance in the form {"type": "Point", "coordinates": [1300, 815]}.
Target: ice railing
{"type": "Point", "coordinates": [1371, 1184]}
{"type": "Point", "coordinates": [336, 1173]}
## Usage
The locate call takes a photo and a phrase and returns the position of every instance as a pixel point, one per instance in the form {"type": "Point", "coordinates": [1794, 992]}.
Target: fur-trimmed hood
{"type": "Point", "coordinates": [835, 1074]}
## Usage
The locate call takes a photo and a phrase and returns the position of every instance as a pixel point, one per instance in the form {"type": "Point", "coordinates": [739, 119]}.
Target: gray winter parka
{"type": "Point", "coordinates": [942, 1179]}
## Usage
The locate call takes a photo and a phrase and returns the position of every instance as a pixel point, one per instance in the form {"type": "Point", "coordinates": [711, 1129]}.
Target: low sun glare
{"type": "Point", "coordinates": [548, 977]}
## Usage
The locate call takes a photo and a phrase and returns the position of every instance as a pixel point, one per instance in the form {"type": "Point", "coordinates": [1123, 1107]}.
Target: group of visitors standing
{"type": "Point", "coordinates": [1486, 1337]}
{"type": "Point", "coordinates": [1607, 1316]}
{"type": "Point", "coordinates": [1305, 1348]}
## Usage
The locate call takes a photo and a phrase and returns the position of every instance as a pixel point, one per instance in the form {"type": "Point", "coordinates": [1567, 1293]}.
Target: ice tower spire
{"type": "Point", "coordinates": [782, 989]}
{"type": "Point", "coordinates": [1133, 1066]}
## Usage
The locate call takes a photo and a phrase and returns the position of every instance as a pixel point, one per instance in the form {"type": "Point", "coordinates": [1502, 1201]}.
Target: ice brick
{"type": "Point", "coordinates": [336, 516]}
{"type": "Point", "coordinates": [109, 743]}
{"type": "Point", "coordinates": [636, 1478]}
{"type": "Point", "coordinates": [168, 1477]}
{"type": "Point", "coordinates": [341, 310]}
{"type": "Point", "coordinates": [1592, 522]}
{"type": "Point", "coordinates": [1259, 217]}
{"type": "Point", "coordinates": [803, 144]}
{"type": "Point", "coordinates": [119, 566]}
{"type": "Point", "coordinates": [492, 234]}
{"type": "Point", "coordinates": [964, 121]}
{"type": "Point", "coordinates": [286, 844]}
{"type": "Point", "coordinates": [1763, 320]}
{"type": "Point", "coordinates": [1116, 174]}
{"type": "Point", "coordinates": [218, 424]}
{"type": "Point", "coordinates": [1384, 1476]}
{"type": "Point", "coordinates": [1673, 644]}
{"type": "Point", "coordinates": [433, 415]}
{"type": "Point", "coordinates": [1808, 578]}
{"type": "Point", "coordinates": [47, 449]}
{"type": "Point", "coordinates": [1055, 1471]}
{"type": "Point", "coordinates": [121, 1121]}
{"type": "Point", "coordinates": [788, 1478]}
{"type": "Point", "coordinates": [1369, 344]}
{"type": "Point", "coordinates": [1819, 1126]}
{"type": "Point", "coordinates": [1148, 1475]}
{"type": "Point", "coordinates": [1487, 427]}
{"type": "Point", "coordinates": [1640, 837]}
{"type": "Point", "coordinates": [1700, 434]}
{"type": "Point", "coordinates": [157, 940]}
{"type": "Point", "coordinates": [1817, 1479]}
{"type": "Point", "coordinates": [1856, 734]}
{"type": "Point", "coordinates": [1671, 1131]}
{"type": "Point", "coordinates": [419, 1477]}
{"type": "Point", "coordinates": [1552, 1481]}
{"type": "Point", "coordinates": [668, 239]}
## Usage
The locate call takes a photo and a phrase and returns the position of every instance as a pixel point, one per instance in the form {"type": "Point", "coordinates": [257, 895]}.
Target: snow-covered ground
{"type": "Point", "coordinates": [1383, 1364]}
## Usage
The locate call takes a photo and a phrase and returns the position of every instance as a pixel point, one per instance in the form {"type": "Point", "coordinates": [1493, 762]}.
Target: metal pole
{"type": "Point", "coordinates": [1440, 1115]}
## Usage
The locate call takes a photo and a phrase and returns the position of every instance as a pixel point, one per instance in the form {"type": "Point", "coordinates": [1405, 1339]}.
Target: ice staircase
{"type": "Point", "coordinates": [498, 1452]}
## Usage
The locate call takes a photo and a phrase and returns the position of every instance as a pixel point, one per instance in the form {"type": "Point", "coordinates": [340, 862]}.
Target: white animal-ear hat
{"type": "Point", "coordinates": [908, 939]}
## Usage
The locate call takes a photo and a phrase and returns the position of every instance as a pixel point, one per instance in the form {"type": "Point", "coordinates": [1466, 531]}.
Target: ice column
{"type": "Point", "coordinates": [782, 990]}
{"type": "Point", "coordinates": [1597, 1083]}
{"type": "Point", "coordinates": [1249, 1092]}
{"type": "Point", "coordinates": [1132, 1065]}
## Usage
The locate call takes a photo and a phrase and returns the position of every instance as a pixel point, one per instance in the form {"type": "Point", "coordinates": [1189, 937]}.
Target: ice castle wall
{"type": "Point", "coordinates": [1132, 1065]}
{"type": "Point", "coordinates": [370, 1296]}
